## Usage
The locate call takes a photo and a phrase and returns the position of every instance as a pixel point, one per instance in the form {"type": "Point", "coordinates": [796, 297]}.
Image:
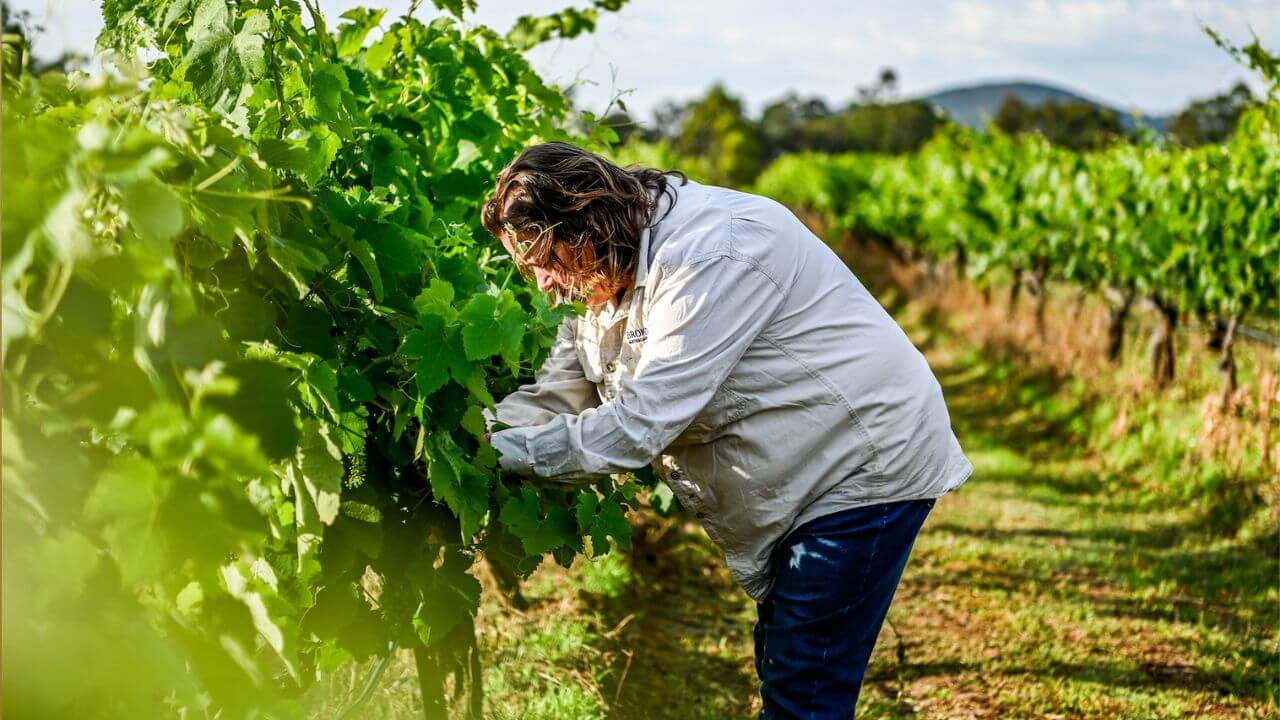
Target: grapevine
{"type": "Point", "coordinates": [251, 323]}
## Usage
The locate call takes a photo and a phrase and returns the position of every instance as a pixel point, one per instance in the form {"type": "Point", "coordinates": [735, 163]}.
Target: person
{"type": "Point", "coordinates": [728, 347]}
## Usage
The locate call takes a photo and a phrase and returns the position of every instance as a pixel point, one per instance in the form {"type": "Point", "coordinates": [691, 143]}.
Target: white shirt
{"type": "Point", "coordinates": [752, 369]}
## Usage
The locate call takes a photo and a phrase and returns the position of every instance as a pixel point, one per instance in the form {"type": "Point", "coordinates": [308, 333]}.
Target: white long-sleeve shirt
{"type": "Point", "coordinates": [752, 369]}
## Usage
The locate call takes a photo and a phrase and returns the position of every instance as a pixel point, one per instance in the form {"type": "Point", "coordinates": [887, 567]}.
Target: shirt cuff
{"type": "Point", "coordinates": [513, 456]}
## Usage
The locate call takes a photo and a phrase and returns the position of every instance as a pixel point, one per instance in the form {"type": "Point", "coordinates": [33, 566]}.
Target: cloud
{"type": "Point", "coordinates": [970, 21]}
{"type": "Point", "coordinates": [1039, 22]}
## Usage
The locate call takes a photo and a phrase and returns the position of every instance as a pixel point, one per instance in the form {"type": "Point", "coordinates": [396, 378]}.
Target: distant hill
{"type": "Point", "coordinates": [974, 105]}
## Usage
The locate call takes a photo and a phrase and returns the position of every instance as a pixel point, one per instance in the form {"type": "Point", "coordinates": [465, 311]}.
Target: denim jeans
{"type": "Point", "coordinates": [834, 579]}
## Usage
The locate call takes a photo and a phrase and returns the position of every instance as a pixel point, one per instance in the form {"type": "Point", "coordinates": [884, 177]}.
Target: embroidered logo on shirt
{"type": "Point", "coordinates": [637, 335]}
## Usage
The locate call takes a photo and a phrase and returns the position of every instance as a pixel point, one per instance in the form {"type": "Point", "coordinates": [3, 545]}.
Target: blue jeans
{"type": "Point", "coordinates": [834, 579]}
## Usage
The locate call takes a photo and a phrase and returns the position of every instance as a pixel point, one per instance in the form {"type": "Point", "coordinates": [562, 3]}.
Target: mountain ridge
{"type": "Point", "coordinates": [973, 104]}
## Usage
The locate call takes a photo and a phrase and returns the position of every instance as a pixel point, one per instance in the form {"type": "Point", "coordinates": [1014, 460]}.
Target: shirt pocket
{"type": "Point", "coordinates": [628, 359]}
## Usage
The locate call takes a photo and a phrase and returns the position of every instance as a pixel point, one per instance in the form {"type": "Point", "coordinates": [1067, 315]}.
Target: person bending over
{"type": "Point", "coordinates": [727, 346]}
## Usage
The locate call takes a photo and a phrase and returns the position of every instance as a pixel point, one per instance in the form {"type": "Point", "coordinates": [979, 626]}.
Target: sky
{"type": "Point", "coordinates": [1149, 55]}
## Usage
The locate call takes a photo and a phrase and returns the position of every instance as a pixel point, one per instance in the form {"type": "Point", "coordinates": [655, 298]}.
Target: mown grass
{"type": "Point", "coordinates": [1086, 570]}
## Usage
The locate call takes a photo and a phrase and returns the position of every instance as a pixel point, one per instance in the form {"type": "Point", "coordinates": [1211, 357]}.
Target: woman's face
{"type": "Point", "coordinates": [556, 280]}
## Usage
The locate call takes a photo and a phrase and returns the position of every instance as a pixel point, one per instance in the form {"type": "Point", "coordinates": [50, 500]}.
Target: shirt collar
{"type": "Point", "coordinates": [642, 261]}
{"type": "Point", "coordinates": [612, 312]}
{"type": "Point", "coordinates": [644, 250]}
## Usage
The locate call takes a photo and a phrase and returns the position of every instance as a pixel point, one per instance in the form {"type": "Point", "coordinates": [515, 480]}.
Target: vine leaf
{"type": "Point", "coordinates": [455, 7]}
{"type": "Point", "coordinates": [437, 299]}
{"type": "Point", "coordinates": [602, 520]}
{"type": "Point", "coordinates": [538, 532]}
{"type": "Point", "coordinates": [363, 253]}
{"type": "Point", "coordinates": [258, 402]}
{"type": "Point", "coordinates": [436, 355]}
{"type": "Point", "coordinates": [221, 60]}
{"type": "Point", "coordinates": [379, 53]}
{"type": "Point", "coordinates": [492, 326]}
{"type": "Point", "coordinates": [154, 211]}
{"type": "Point", "coordinates": [449, 594]}
{"type": "Point", "coordinates": [126, 501]}
{"type": "Point", "coordinates": [458, 483]}
{"type": "Point", "coordinates": [351, 35]}
{"type": "Point", "coordinates": [316, 470]}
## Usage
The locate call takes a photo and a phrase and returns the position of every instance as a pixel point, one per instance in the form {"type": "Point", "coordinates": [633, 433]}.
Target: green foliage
{"type": "Point", "coordinates": [891, 128]}
{"type": "Point", "coordinates": [250, 322]}
{"type": "Point", "coordinates": [715, 128]}
{"type": "Point", "coordinates": [1258, 58]}
{"type": "Point", "coordinates": [222, 58]}
{"type": "Point", "coordinates": [661, 155]}
{"type": "Point", "coordinates": [533, 30]}
{"type": "Point", "coordinates": [782, 122]}
{"type": "Point", "coordinates": [1075, 124]}
{"type": "Point", "coordinates": [1213, 119]}
{"type": "Point", "coordinates": [1192, 228]}
{"type": "Point", "coordinates": [714, 132]}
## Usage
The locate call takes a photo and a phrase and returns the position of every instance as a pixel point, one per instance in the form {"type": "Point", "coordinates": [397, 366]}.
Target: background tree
{"type": "Point", "coordinates": [1213, 119]}
{"type": "Point", "coordinates": [891, 128]}
{"type": "Point", "coordinates": [716, 128]}
{"type": "Point", "coordinates": [785, 123]}
{"type": "Point", "coordinates": [1075, 124]}
{"type": "Point", "coordinates": [669, 117]}
{"type": "Point", "coordinates": [883, 90]}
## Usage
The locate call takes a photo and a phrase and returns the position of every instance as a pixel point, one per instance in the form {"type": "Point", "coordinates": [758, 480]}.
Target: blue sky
{"type": "Point", "coordinates": [1145, 54]}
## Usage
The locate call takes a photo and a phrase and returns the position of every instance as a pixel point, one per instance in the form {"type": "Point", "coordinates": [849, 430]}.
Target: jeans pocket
{"type": "Point", "coordinates": [817, 573]}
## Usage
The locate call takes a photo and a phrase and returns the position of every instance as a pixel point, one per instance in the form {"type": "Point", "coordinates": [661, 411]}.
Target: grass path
{"type": "Point", "coordinates": [1040, 589]}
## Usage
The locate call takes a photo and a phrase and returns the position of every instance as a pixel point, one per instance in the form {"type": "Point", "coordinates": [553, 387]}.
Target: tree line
{"type": "Point", "coordinates": [736, 147]}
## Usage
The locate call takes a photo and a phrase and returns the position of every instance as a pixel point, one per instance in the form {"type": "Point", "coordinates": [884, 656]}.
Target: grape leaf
{"type": "Point", "coordinates": [455, 7]}
{"type": "Point", "coordinates": [125, 500]}
{"type": "Point", "coordinates": [539, 533]}
{"type": "Point", "coordinates": [379, 53]}
{"type": "Point", "coordinates": [322, 145]}
{"type": "Point", "coordinates": [322, 381]}
{"type": "Point", "coordinates": [449, 595]}
{"type": "Point", "coordinates": [492, 327]}
{"type": "Point", "coordinates": [473, 421]}
{"type": "Point", "coordinates": [602, 520]}
{"type": "Point", "coordinates": [154, 211]}
{"type": "Point", "coordinates": [219, 60]}
{"type": "Point", "coordinates": [259, 404]}
{"type": "Point", "coordinates": [430, 345]}
{"type": "Point", "coordinates": [363, 253]}
{"type": "Point", "coordinates": [475, 382]}
{"type": "Point", "coordinates": [459, 484]}
{"type": "Point", "coordinates": [395, 249]}
{"type": "Point", "coordinates": [351, 35]}
{"type": "Point", "coordinates": [437, 299]}
{"type": "Point", "coordinates": [355, 384]}
{"type": "Point", "coordinates": [318, 470]}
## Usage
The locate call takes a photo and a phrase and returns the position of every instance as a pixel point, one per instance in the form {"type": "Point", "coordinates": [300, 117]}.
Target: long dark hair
{"type": "Point", "coordinates": [564, 197]}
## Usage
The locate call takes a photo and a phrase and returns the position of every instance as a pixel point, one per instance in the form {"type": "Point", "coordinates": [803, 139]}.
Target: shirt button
{"type": "Point", "coordinates": [611, 367]}
{"type": "Point", "coordinates": [675, 474]}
